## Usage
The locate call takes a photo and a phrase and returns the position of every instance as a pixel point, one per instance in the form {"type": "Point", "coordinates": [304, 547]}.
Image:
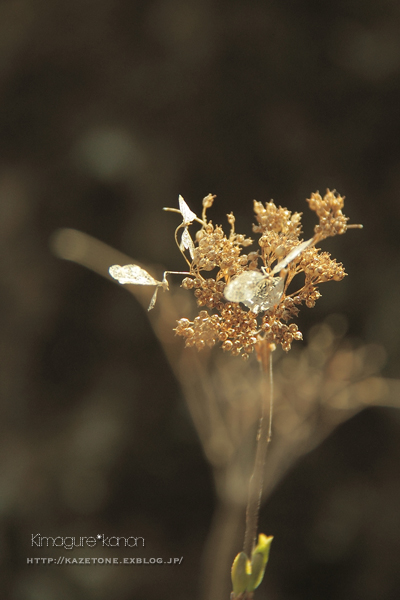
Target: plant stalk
{"type": "Point", "coordinates": [264, 352]}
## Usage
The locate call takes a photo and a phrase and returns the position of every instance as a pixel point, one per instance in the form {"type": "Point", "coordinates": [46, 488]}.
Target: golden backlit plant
{"type": "Point", "coordinates": [237, 329]}
{"type": "Point", "coordinates": [224, 278]}
{"type": "Point", "coordinates": [317, 386]}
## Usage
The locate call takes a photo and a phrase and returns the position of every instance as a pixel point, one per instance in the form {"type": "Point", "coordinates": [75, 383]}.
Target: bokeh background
{"type": "Point", "coordinates": [108, 110]}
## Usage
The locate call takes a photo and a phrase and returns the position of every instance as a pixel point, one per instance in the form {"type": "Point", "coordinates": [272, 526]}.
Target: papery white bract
{"type": "Point", "coordinates": [294, 253]}
{"type": "Point", "coordinates": [153, 299]}
{"type": "Point", "coordinates": [188, 215]}
{"type": "Point", "coordinates": [187, 243]}
{"type": "Point", "coordinates": [133, 274]}
{"type": "Point", "coordinates": [259, 291]}
{"type": "Point", "coordinates": [255, 290]}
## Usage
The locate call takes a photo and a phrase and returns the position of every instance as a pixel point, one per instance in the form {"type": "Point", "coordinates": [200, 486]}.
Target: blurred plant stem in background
{"type": "Point", "coordinates": [315, 389]}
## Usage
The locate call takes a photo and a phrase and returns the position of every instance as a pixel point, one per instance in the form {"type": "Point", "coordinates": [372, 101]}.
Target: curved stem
{"type": "Point", "coordinates": [263, 440]}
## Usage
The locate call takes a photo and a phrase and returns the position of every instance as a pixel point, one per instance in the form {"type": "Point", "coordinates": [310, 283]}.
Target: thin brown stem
{"type": "Point", "coordinates": [263, 439]}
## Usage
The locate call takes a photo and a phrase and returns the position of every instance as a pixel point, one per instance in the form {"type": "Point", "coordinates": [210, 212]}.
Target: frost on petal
{"type": "Point", "coordinates": [187, 214]}
{"type": "Point", "coordinates": [294, 253]}
{"type": "Point", "coordinates": [187, 242]}
{"type": "Point", "coordinates": [132, 274]}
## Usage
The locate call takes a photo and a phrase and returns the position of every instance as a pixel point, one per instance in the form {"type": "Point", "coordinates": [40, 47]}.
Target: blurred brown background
{"type": "Point", "coordinates": [108, 110]}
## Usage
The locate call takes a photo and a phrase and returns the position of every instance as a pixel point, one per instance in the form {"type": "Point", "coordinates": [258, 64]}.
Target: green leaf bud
{"type": "Point", "coordinates": [240, 573]}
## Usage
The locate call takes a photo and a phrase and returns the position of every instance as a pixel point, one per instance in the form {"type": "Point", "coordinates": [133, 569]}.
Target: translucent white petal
{"type": "Point", "coordinates": [187, 214]}
{"type": "Point", "coordinates": [268, 294]}
{"type": "Point", "coordinates": [256, 291]}
{"type": "Point", "coordinates": [153, 299]}
{"type": "Point", "coordinates": [187, 242]}
{"type": "Point", "coordinates": [132, 274]}
{"type": "Point", "coordinates": [294, 253]}
{"type": "Point", "coordinates": [243, 286]}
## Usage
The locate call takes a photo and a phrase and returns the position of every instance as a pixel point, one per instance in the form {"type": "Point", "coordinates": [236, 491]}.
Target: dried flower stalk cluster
{"type": "Point", "coordinates": [239, 329]}
{"type": "Point", "coordinates": [223, 276]}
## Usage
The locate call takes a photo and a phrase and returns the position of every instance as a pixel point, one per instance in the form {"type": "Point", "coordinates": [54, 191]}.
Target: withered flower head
{"type": "Point", "coordinates": [224, 277]}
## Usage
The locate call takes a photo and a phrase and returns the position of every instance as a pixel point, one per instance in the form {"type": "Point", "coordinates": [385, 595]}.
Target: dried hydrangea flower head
{"type": "Point", "coordinates": [224, 278]}
{"type": "Point", "coordinates": [260, 279]}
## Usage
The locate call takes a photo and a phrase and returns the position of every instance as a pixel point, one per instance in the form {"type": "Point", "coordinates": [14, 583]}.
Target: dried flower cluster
{"type": "Point", "coordinates": [224, 277]}
{"type": "Point", "coordinates": [228, 322]}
